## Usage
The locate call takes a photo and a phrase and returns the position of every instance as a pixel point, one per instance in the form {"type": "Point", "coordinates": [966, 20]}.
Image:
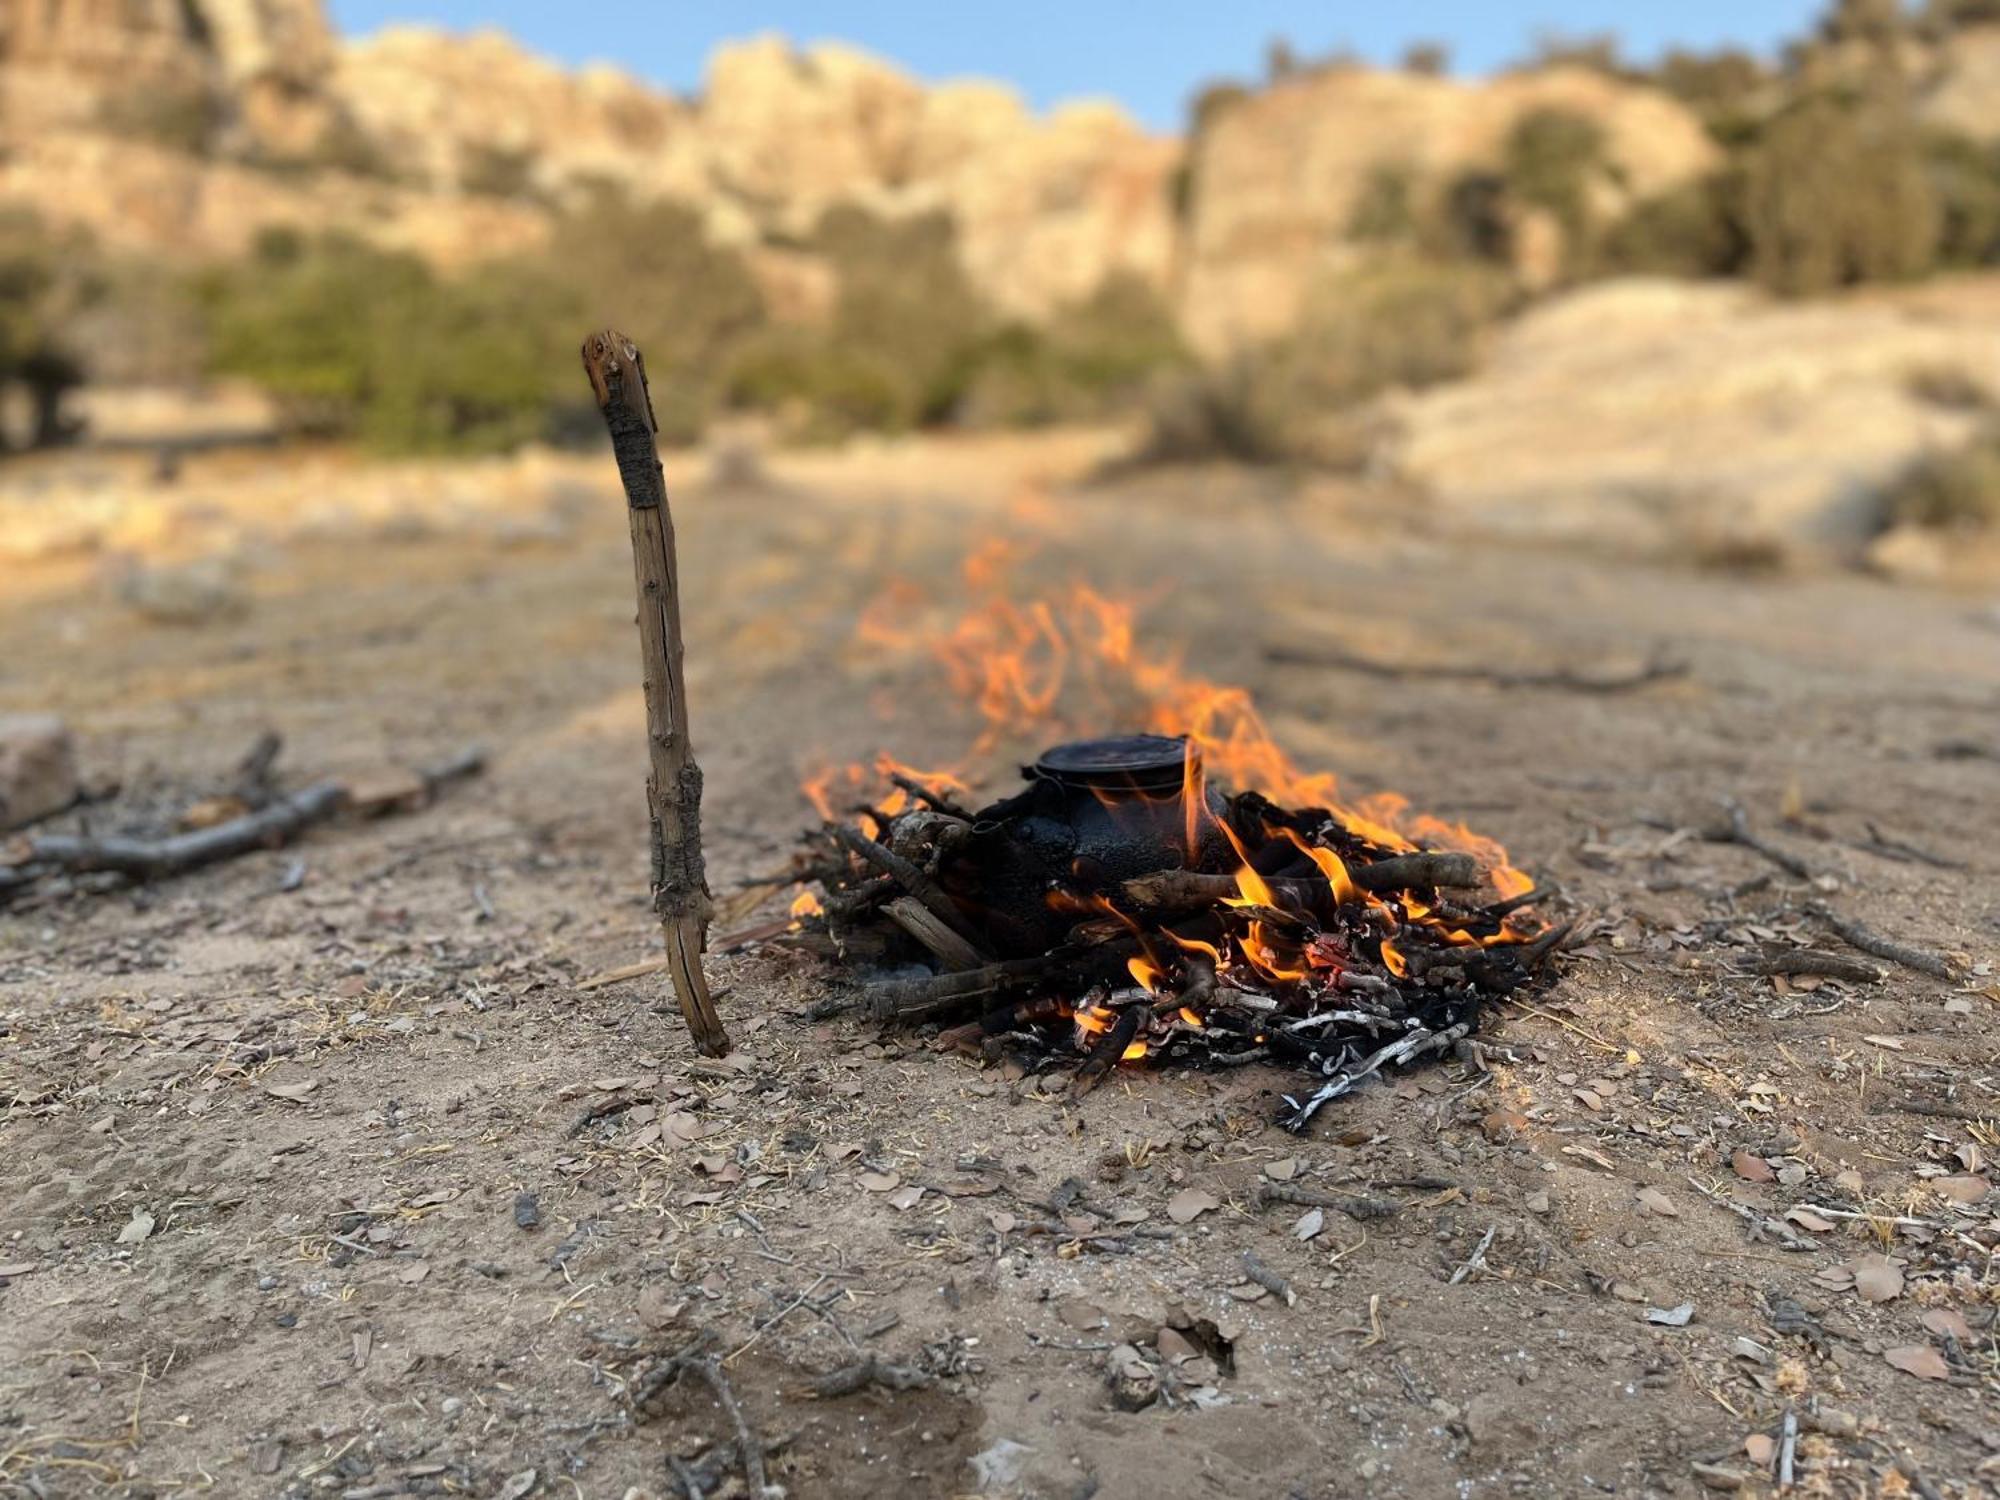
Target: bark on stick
{"type": "Point", "coordinates": [673, 783]}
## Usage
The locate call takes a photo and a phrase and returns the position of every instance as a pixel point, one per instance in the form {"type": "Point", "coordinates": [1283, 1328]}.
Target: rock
{"type": "Point", "coordinates": [192, 593]}
{"type": "Point", "coordinates": [1696, 420]}
{"type": "Point", "coordinates": [1274, 177]}
{"type": "Point", "coordinates": [1497, 1423]}
{"type": "Point", "coordinates": [1907, 554]}
{"type": "Point", "coordinates": [1720, 1476]}
{"type": "Point", "coordinates": [37, 768]}
{"type": "Point", "coordinates": [1000, 1465]}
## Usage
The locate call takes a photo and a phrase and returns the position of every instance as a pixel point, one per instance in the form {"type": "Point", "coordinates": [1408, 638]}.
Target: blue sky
{"type": "Point", "coordinates": [1151, 56]}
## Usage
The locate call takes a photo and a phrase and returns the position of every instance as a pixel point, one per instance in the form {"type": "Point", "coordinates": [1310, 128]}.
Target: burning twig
{"type": "Point", "coordinates": [930, 798]}
{"type": "Point", "coordinates": [1107, 1050]}
{"type": "Point", "coordinates": [673, 783]}
{"type": "Point", "coordinates": [1870, 941]}
{"type": "Point", "coordinates": [1185, 890]}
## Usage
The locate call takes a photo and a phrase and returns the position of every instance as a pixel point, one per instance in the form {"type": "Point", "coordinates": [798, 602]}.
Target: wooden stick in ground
{"type": "Point", "coordinates": [673, 780]}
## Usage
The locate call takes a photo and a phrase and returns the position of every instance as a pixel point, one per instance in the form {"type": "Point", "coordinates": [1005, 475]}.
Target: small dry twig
{"type": "Point", "coordinates": [866, 1372]}
{"type": "Point", "coordinates": [1870, 941]}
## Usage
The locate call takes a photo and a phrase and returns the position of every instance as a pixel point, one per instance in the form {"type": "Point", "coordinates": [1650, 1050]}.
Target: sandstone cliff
{"type": "Point", "coordinates": [1277, 176]}
{"type": "Point", "coordinates": [185, 126]}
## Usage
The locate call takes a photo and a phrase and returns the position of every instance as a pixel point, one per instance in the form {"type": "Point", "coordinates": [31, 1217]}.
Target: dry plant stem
{"type": "Point", "coordinates": [1657, 670]}
{"type": "Point", "coordinates": [673, 782]}
{"type": "Point", "coordinates": [156, 859]}
{"type": "Point", "coordinates": [864, 1373]}
{"type": "Point", "coordinates": [930, 798]}
{"type": "Point", "coordinates": [1870, 941]}
{"type": "Point", "coordinates": [746, 1441]}
{"type": "Point", "coordinates": [1477, 1260]}
{"type": "Point", "coordinates": [1740, 832]}
{"type": "Point", "coordinates": [1345, 1080]}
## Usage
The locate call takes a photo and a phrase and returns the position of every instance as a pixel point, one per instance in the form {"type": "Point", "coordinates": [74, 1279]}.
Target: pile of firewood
{"type": "Point", "coordinates": [1119, 910]}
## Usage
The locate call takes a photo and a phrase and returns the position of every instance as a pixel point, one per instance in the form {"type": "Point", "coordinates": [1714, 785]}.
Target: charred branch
{"type": "Point", "coordinates": [1855, 935]}
{"type": "Point", "coordinates": [941, 942]}
{"type": "Point", "coordinates": [907, 875]}
{"type": "Point", "coordinates": [159, 859]}
{"type": "Point", "coordinates": [908, 998]}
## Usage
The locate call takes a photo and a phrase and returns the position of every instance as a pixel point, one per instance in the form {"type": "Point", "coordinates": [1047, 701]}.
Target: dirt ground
{"type": "Point", "coordinates": [304, 1189]}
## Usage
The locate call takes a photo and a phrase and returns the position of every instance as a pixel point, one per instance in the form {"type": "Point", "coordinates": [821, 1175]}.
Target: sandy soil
{"type": "Point", "coordinates": [267, 1154]}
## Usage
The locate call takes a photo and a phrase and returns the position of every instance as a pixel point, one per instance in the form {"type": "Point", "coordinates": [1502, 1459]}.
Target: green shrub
{"type": "Point", "coordinates": [1719, 85]}
{"type": "Point", "coordinates": [1690, 229]}
{"type": "Point", "coordinates": [821, 390]}
{"type": "Point", "coordinates": [1549, 161]}
{"type": "Point", "coordinates": [1094, 360]}
{"type": "Point", "coordinates": [496, 171]}
{"type": "Point", "coordinates": [46, 281]}
{"type": "Point", "coordinates": [1385, 210]}
{"type": "Point", "coordinates": [1427, 59]}
{"type": "Point", "coordinates": [359, 342]}
{"type": "Point", "coordinates": [1837, 192]}
{"type": "Point", "coordinates": [1398, 324]}
{"type": "Point", "coordinates": [1958, 490]}
{"type": "Point", "coordinates": [1942, 17]}
{"type": "Point", "coordinates": [1233, 410]}
{"type": "Point", "coordinates": [1965, 179]}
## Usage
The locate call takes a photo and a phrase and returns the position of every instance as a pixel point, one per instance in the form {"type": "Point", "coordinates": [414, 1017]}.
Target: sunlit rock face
{"type": "Point", "coordinates": [1276, 176]}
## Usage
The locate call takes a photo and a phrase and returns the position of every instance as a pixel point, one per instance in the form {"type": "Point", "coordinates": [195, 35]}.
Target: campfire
{"type": "Point", "coordinates": [1178, 895]}
{"type": "Point", "coordinates": [1181, 893]}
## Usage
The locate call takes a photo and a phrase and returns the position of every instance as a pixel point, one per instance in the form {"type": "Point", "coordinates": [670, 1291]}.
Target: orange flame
{"type": "Point", "coordinates": [1330, 864]}
{"type": "Point", "coordinates": [1393, 960]}
{"type": "Point", "coordinates": [1048, 664]}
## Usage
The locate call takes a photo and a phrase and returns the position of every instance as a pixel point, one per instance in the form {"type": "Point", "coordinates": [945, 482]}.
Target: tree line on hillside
{"type": "Point", "coordinates": [1827, 176]}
